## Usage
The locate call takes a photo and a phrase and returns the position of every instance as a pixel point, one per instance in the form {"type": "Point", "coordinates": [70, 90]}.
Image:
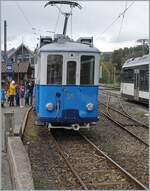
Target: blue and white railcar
{"type": "Point", "coordinates": [67, 75]}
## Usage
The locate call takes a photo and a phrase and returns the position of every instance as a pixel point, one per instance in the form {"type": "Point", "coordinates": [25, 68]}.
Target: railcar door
{"type": "Point", "coordinates": [54, 82]}
{"type": "Point", "coordinates": [70, 92]}
{"type": "Point", "coordinates": [136, 84]}
{"type": "Point", "coordinates": [71, 72]}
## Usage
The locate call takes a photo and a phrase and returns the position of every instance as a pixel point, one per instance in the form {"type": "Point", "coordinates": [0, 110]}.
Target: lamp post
{"type": "Point", "coordinates": [18, 70]}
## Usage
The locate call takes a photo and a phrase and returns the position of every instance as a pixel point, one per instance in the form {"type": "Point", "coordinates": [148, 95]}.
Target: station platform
{"type": "Point", "coordinates": [19, 114]}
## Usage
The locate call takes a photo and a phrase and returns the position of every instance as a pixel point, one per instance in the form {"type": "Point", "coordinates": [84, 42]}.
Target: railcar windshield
{"type": "Point", "coordinates": [87, 70]}
{"type": "Point", "coordinates": [71, 72]}
{"type": "Point", "coordinates": [54, 69]}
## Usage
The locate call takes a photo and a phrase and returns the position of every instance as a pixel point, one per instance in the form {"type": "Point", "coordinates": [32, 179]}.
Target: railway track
{"type": "Point", "coordinates": [131, 117]}
{"type": "Point", "coordinates": [121, 106]}
{"type": "Point", "coordinates": [105, 87]}
{"type": "Point", "coordinates": [132, 120]}
{"type": "Point", "coordinates": [75, 160]}
{"type": "Point", "coordinates": [92, 168]}
{"type": "Point", "coordinates": [127, 123]}
{"type": "Point", "coordinates": [123, 119]}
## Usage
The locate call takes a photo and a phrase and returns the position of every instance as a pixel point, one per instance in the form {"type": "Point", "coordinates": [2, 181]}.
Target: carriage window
{"type": "Point", "coordinates": [127, 75]}
{"type": "Point", "coordinates": [71, 72]}
{"type": "Point", "coordinates": [54, 69]}
{"type": "Point", "coordinates": [144, 78]}
{"type": "Point", "coordinates": [87, 70]}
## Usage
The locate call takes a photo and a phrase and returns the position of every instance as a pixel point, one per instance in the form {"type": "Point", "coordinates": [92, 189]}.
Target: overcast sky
{"type": "Point", "coordinates": [92, 20]}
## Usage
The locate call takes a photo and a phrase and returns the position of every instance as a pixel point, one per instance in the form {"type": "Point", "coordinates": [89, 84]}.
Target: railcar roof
{"type": "Point", "coordinates": [144, 60]}
{"type": "Point", "coordinates": [68, 47]}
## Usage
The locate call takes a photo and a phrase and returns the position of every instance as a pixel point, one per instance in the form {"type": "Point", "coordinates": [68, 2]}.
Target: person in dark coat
{"type": "Point", "coordinates": [17, 96]}
{"type": "Point", "coordinates": [27, 96]}
{"type": "Point", "coordinates": [30, 87]}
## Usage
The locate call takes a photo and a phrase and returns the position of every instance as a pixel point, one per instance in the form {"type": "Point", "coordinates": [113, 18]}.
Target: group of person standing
{"type": "Point", "coordinates": [19, 94]}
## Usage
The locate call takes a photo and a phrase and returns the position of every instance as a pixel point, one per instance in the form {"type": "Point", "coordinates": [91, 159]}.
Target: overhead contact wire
{"type": "Point", "coordinates": [114, 21]}
{"type": "Point", "coordinates": [23, 13]}
{"type": "Point", "coordinates": [121, 26]}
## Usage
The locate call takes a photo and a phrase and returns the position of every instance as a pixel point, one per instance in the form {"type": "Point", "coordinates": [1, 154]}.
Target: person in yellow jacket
{"type": "Point", "coordinates": [12, 92]}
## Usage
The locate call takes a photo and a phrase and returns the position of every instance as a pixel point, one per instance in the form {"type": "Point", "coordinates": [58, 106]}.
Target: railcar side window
{"type": "Point", "coordinates": [54, 69]}
{"type": "Point", "coordinates": [71, 72]}
{"type": "Point", "coordinates": [87, 69]}
{"type": "Point", "coordinates": [144, 79]}
{"type": "Point", "coordinates": [127, 76]}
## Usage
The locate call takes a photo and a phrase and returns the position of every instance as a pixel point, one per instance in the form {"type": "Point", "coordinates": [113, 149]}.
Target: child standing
{"type": "Point", "coordinates": [2, 95]}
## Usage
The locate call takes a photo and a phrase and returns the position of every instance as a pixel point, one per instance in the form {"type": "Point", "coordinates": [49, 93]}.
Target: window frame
{"type": "Point", "coordinates": [75, 61]}
{"type": "Point", "coordinates": [125, 78]}
{"type": "Point", "coordinates": [144, 80]}
{"type": "Point", "coordinates": [94, 69]}
{"type": "Point", "coordinates": [55, 54]}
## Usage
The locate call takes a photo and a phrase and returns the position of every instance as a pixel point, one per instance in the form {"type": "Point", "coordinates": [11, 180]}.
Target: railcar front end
{"type": "Point", "coordinates": [67, 85]}
{"type": "Point", "coordinates": [67, 105]}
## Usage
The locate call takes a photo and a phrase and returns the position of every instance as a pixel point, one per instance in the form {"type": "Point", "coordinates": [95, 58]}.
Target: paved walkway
{"type": "Point", "coordinates": [19, 114]}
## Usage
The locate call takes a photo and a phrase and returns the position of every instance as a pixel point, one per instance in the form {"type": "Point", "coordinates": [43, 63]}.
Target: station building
{"type": "Point", "coordinates": [19, 65]}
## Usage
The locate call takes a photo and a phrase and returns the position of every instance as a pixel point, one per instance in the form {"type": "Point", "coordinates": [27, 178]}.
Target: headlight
{"type": "Point", "coordinates": [49, 106]}
{"type": "Point", "coordinates": [90, 106]}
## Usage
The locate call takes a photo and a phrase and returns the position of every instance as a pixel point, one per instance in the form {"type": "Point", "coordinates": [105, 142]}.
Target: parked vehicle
{"type": "Point", "coordinates": [66, 80]}
{"type": "Point", "coordinates": [135, 79]}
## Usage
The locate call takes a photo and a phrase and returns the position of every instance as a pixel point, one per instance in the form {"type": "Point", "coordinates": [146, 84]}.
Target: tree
{"type": "Point", "coordinates": [116, 60]}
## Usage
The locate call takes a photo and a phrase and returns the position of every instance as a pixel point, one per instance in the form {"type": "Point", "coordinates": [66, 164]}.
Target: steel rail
{"type": "Point", "coordinates": [121, 126]}
{"type": "Point", "coordinates": [129, 176]}
{"type": "Point", "coordinates": [109, 87]}
{"type": "Point", "coordinates": [114, 163]}
{"type": "Point", "coordinates": [110, 93]}
{"type": "Point", "coordinates": [126, 115]}
{"type": "Point", "coordinates": [131, 116]}
{"type": "Point", "coordinates": [69, 165]}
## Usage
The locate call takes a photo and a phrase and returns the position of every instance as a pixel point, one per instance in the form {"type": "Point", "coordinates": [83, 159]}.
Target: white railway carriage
{"type": "Point", "coordinates": [135, 79]}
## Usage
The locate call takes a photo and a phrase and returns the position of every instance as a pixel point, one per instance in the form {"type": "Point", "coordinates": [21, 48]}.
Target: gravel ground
{"type": "Point", "coordinates": [92, 167]}
{"type": "Point", "coordinates": [49, 170]}
{"type": "Point", "coordinates": [137, 110]}
{"type": "Point", "coordinates": [138, 130]}
{"type": "Point", "coordinates": [120, 146]}
{"type": "Point", "coordinates": [129, 153]}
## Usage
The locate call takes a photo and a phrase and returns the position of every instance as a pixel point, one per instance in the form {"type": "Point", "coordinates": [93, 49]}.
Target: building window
{"type": "Point", "coordinates": [71, 72]}
{"type": "Point", "coordinates": [54, 69]}
{"type": "Point", "coordinates": [87, 69]}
